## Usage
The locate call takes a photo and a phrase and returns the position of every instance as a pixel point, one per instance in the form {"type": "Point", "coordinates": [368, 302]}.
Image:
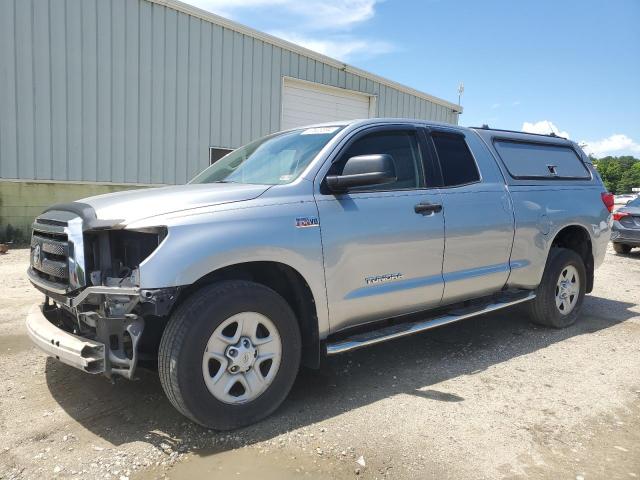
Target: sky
{"type": "Point", "coordinates": [571, 67]}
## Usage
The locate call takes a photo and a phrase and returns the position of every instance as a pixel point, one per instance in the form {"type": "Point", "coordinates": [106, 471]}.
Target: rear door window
{"type": "Point", "coordinates": [456, 162]}
{"type": "Point", "coordinates": [540, 160]}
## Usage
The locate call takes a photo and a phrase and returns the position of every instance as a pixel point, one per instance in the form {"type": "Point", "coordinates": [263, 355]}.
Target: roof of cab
{"type": "Point", "coordinates": [381, 121]}
{"type": "Point", "coordinates": [487, 133]}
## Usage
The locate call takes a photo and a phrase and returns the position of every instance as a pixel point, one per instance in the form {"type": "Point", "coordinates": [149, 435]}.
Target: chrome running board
{"type": "Point", "coordinates": [403, 329]}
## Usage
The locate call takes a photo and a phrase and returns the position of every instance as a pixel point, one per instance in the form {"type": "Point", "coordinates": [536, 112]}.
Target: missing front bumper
{"type": "Point", "coordinates": [113, 351]}
{"type": "Point", "coordinates": [102, 328]}
{"type": "Point", "coordinates": [82, 353]}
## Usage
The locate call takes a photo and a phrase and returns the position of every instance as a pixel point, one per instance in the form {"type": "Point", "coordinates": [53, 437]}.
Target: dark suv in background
{"type": "Point", "coordinates": [625, 233]}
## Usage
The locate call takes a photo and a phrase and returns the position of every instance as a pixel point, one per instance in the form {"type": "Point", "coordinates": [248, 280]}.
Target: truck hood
{"type": "Point", "coordinates": [128, 206]}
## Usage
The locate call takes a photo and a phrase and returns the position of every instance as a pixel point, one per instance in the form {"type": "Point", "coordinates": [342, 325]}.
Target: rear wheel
{"type": "Point", "coordinates": [230, 354]}
{"type": "Point", "coordinates": [561, 292]}
{"type": "Point", "coordinates": [621, 248]}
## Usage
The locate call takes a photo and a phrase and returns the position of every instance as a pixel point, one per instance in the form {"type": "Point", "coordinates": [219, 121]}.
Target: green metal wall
{"type": "Point", "coordinates": [21, 202]}
{"type": "Point", "coordinates": [133, 91]}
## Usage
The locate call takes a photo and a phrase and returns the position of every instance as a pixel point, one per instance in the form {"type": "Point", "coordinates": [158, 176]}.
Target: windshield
{"type": "Point", "coordinates": [273, 160]}
{"type": "Point", "coordinates": [634, 203]}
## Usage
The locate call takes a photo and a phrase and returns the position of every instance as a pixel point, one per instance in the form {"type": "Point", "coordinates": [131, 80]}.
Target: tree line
{"type": "Point", "coordinates": [620, 174]}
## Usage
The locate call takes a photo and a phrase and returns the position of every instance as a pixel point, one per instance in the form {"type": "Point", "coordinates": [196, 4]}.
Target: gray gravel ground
{"type": "Point", "coordinates": [491, 397]}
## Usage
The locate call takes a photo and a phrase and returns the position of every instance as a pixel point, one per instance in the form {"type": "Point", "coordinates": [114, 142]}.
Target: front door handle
{"type": "Point", "coordinates": [427, 208]}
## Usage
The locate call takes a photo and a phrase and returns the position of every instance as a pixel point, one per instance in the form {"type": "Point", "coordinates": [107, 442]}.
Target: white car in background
{"type": "Point", "coordinates": [624, 198]}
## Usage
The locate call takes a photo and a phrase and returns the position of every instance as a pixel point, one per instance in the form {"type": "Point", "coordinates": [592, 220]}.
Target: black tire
{"type": "Point", "coordinates": [543, 310]}
{"type": "Point", "coordinates": [186, 336]}
{"type": "Point", "coordinates": [621, 248]}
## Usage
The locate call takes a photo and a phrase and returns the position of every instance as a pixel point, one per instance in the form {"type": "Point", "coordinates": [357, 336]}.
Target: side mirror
{"type": "Point", "coordinates": [362, 171]}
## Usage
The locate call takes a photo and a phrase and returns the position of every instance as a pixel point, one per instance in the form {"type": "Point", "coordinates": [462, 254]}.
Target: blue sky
{"type": "Point", "coordinates": [568, 66]}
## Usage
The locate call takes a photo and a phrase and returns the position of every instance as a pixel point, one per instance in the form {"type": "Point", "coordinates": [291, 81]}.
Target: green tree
{"type": "Point", "coordinates": [620, 174]}
{"type": "Point", "coordinates": [630, 178]}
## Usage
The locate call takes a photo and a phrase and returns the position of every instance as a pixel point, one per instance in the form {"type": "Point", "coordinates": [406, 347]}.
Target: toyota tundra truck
{"type": "Point", "coordinates": [313, 242]}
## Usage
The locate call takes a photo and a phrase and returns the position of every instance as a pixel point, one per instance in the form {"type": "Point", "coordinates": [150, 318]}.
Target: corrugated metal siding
{"type": "Point", "coordinates": [132, 91]}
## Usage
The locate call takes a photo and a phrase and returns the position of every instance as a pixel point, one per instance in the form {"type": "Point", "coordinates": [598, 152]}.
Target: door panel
{"type": "Point", "coordinates": [478, 218]}
{"type": "Point", "coordinates": [479, 235]}
{"type": "Point", "coordinates": [365, 236]}
{"type": "Point", "coordinates": [381, 257]}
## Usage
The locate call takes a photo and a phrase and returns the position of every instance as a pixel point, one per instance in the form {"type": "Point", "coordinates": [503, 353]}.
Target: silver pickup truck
{"type": "Point", "coordinates": [314, 242]}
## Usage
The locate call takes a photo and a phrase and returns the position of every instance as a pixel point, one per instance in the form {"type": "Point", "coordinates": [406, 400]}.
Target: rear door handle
{"type": "Point", "coordinates": [427, 208]}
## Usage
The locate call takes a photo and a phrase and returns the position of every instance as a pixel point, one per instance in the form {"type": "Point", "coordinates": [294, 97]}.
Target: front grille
{"type": "Point", "coordinates": [57, 251]}
{"type": "Point", "coordinates": [54, 268]}
{"type": "Point", "coordinates": [50, 252]}
{"type": "Point", "coordinates": [55, 245]}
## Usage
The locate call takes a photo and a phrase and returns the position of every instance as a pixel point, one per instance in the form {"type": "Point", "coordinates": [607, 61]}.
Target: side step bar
{"type": "Point", "coordinates": [403, 329]}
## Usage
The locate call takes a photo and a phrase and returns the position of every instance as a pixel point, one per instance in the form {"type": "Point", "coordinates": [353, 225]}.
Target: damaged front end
{"type": "Point", "coordinates": [94, 312]}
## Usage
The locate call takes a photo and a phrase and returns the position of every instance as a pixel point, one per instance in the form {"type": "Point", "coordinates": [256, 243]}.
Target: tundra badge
{"type": "Point", "coordinates": [382, 278]}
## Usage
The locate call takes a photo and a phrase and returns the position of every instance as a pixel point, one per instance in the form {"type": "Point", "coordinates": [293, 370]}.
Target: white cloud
{"type": "Point", "coordinates": [342, 47]}
{"type": "Point", "coordinates": [544, 127]}
{"type": "Point", "coordinates": [616, 144]}
{"type": "Point", "coordinates": [315, 14]}
{"type": "Point", "coordinates": [320, 25]}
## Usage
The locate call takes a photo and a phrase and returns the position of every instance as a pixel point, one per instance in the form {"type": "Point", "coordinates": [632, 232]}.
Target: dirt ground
{"type": "Point", "coordinates": [490, 397]}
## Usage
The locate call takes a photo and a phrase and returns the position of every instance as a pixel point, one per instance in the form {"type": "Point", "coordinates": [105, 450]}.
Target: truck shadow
{"type": "Point", "coordinates": [635, 253]}
{"type": "Point", "coordinates": [139, 411]}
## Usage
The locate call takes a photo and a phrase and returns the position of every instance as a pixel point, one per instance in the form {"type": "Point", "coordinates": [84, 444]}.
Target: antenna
{"type": "Point", "coordinates": [460, 92]}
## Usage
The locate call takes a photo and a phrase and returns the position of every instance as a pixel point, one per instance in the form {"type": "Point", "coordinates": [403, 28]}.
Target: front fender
{"type": "Point", "coordinates": [197, 245]}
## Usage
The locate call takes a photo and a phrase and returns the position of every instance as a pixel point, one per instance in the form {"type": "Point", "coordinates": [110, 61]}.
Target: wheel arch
{"type": "Point", "coordinates": [576, 237]}
{"type": "Point", "coordinates": [284, 280]}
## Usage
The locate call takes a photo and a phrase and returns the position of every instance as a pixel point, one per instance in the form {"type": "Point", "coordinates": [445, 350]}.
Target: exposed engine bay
{"type": "Point", "coordinates": [110, 310]}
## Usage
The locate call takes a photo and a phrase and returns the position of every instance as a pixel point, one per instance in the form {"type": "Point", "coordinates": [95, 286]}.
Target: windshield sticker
{"type": "Point", "coordinates": [319, 130]}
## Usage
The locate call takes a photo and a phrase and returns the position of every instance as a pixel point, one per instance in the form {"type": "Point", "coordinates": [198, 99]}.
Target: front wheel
{"type": "Point", "coordinates": [561, 292]}
{"type": "Point", "coordinates": [230, 354]}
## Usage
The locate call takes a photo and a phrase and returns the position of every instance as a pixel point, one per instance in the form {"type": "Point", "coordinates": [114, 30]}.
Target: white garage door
{"type": "Point", "coordinates": [304, 103]}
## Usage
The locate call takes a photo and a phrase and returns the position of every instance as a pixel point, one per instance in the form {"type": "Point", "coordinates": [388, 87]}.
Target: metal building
{"type": "Point", "coordinates": [102, 95]}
